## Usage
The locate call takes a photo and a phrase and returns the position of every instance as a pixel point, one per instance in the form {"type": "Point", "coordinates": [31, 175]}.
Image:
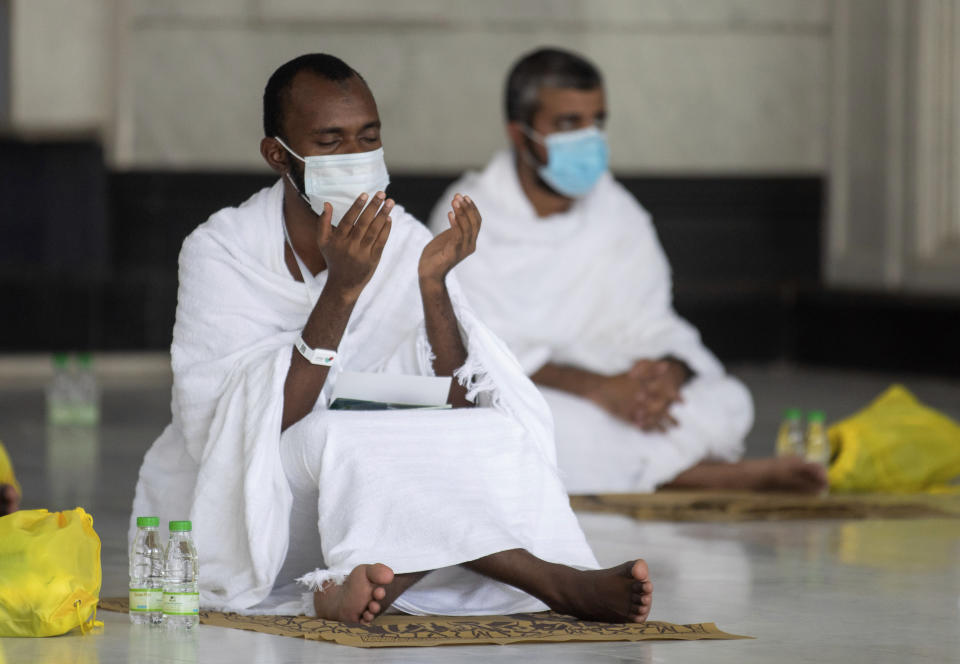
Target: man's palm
{"type": "Point", "coordinates": [451, 246]}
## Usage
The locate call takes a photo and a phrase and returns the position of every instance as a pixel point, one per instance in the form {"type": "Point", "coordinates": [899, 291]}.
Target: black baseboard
{"type": "Point", "coordinates": [89, 260]}
{"type": "Point", "coordinates": [54, 213]}
{"type": "Point", "coordinates": [715, 230]}
{"type": "Point", "coordinates": [880, 332]}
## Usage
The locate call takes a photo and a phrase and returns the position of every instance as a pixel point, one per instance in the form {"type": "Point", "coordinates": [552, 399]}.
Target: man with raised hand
{"type": "Point", "coordinates": [455, 511]}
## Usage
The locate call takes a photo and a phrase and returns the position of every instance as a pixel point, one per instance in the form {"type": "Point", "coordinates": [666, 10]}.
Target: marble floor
{"type": "Point", "coordinates": [809, 591]}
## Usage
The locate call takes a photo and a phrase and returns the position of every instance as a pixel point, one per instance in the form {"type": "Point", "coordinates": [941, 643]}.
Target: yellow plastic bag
{"type": "Point", "coordinates": [6, 470]}
{"type": "Point", "coordinates": [895, 445]}
{"type": "Point", "coordinates": [49, 572]}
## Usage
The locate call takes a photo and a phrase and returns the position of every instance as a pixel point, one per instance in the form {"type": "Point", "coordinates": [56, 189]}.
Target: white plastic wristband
{"type": "Point", "coordinates": [319, 356]}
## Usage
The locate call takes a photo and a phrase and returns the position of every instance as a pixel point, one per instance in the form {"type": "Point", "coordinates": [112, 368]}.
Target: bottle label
{"type": "Point", "coordinates": [145, 600]}
{"type": "Point", "coordinates": [181, 604]}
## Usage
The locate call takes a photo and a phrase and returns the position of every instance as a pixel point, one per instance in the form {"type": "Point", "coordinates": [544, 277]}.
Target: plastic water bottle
{"type": "Point", "coordinates": [87, 409]}
{"type": "Point", "coordinates": [817, 444]}
{"type": "Point", "coordinates": [73, 397]}
{"type": "Point", "coordinates": [60, 392]}
{"type": "Point", "coordinates": [146, 573]}
{"type": "Point", "coordinates": [181, 597]}
{"type": "Point", "coordinates": [790, 435]}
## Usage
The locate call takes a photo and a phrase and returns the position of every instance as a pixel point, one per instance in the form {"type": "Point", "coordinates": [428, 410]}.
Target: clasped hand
{"type": "Point", "coordinates": [644, 394]}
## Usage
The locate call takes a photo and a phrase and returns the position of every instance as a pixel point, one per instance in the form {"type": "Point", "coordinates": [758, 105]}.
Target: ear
{"type": "Point", "coordinates": [516, 136]}
{"type": "Point", "coordinates": [274, 154]}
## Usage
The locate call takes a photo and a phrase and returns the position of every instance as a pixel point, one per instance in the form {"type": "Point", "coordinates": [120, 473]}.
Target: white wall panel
{"type": "Point", "coordinates": [60, 65]}
{"type": "Point", "coordinates": [725, 86]}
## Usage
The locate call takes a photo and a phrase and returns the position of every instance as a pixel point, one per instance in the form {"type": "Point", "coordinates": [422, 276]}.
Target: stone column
{"type": "Point", "coordinates": [894, 211]}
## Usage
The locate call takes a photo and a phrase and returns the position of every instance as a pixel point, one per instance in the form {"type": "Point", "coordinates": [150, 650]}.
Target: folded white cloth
{"type": "Point", "coordinates": [430, 496]}
{"type": "Point", "coordinates": [416, 490]}
{"type": "Point", "coordinates": [591, 288]}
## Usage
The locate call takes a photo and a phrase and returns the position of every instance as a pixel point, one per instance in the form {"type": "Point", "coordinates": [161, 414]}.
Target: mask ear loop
{"type": "Point", "coordinates": [527, 154]}
{"type": "Point", "coordinates": [306, 199]}
{"type": "Point", "coordinates": [531, 160]}
{"type": "Point", "coordinates": [302, 195]}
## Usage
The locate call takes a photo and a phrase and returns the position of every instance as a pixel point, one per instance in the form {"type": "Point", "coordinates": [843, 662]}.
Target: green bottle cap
{"type": "Point", "coordinates": [148, 521]}
{"type": "Point", "coordinates": [816, 416]}
{"type": "Point", "coordinates": [792, 414]}
{"type": "Point", "coordinates": [85, 360]}
{"type": "Point", "coordinates": [60, 360]}
{"type": "Point", "coordinates": [180, 526]}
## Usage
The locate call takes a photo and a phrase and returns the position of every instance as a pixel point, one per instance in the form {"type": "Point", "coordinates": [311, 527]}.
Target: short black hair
{"type": "Point", "coordinates": [545, 68]}
{"type": "Point", "coordinates": [326, 66]}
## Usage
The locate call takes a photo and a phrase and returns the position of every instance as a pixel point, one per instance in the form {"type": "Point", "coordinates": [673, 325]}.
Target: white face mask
{"type": "Point", "coordinates": [339, 178]}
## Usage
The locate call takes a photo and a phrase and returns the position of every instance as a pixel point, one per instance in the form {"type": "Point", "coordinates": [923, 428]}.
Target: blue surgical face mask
{"type": "Point", "coordinates": [575, 159]}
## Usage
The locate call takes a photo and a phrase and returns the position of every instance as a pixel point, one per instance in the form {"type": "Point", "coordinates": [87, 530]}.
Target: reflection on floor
{"type": "Point", "coordinates": [810, 590]}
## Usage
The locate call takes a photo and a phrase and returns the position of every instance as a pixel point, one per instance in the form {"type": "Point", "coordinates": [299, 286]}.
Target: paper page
{"type": "Point", "coordinates": [392, 388]}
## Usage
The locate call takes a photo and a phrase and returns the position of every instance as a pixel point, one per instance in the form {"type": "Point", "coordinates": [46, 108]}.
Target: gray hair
{"type": "Point", "coordinates": [545, 68]}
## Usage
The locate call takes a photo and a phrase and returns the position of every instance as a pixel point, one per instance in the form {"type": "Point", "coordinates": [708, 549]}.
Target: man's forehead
{"type": "Point", "coordinates": [315, 103]}
{"type": "Point", "coordinates": [563, 101]}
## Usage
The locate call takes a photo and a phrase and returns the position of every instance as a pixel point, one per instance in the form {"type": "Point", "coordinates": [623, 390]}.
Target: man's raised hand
{"type": "Point", "coordinates": [454, 244]}
{"type": "Point", "coordinates": [352, 249]}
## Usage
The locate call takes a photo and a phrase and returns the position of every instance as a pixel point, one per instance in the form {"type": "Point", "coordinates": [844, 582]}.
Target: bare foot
{"type": "Point", "coordinates": [770, 474]}
{"type": "Point", "coordinates": [358, 599]}
{"type": "Point", "coordinates": [785, 474]}
{"type": "Point", "coordinates": [9, 499]}
{"type": "Point", "coordinates": [618, 594]}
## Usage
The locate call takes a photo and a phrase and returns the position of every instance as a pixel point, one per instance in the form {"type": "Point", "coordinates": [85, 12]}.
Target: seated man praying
{"type": "Point", "coordinates": [569, 272]}
{"type": "Point", "coordinates": [453, 512]}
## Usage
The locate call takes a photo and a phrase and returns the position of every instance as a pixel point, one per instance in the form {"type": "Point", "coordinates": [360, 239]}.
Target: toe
{"type": "Point", "coordinates": [374, 608]}
{"type": "Point", "coordinates": [367, 618]}
{"type": "Point", "coordinates": [379, 593]}
{"type": "Point", "coordinates": [380, 574]}
{"type": "Point", "coordinates": [641, 600]}
{"type": "Point", "coordinates": [639, 570]}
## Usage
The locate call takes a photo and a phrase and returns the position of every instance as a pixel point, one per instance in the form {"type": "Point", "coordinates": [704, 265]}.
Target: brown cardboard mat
{"type": "Point", "coordinates": [398, 630]}
{"type": "Point", "coordinates": [749, 506]}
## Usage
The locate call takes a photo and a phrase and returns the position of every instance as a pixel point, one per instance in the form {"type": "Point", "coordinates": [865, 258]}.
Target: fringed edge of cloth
{"type": "Point", "coordinates": [474, 377]}
{"type": "Point", "coordinates": [318, 578]}
{"type": "Point", "coordinates": [425, 353]}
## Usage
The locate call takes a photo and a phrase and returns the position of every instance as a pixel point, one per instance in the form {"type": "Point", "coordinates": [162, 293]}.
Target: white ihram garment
{"type": "Point", "coordinates": [591, 288]}
{"type": "Point", "coordinates": [416, 490]}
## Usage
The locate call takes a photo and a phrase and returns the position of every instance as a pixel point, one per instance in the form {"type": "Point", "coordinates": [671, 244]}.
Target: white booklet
{"type": "Point", "coordinates": [356, 390]}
